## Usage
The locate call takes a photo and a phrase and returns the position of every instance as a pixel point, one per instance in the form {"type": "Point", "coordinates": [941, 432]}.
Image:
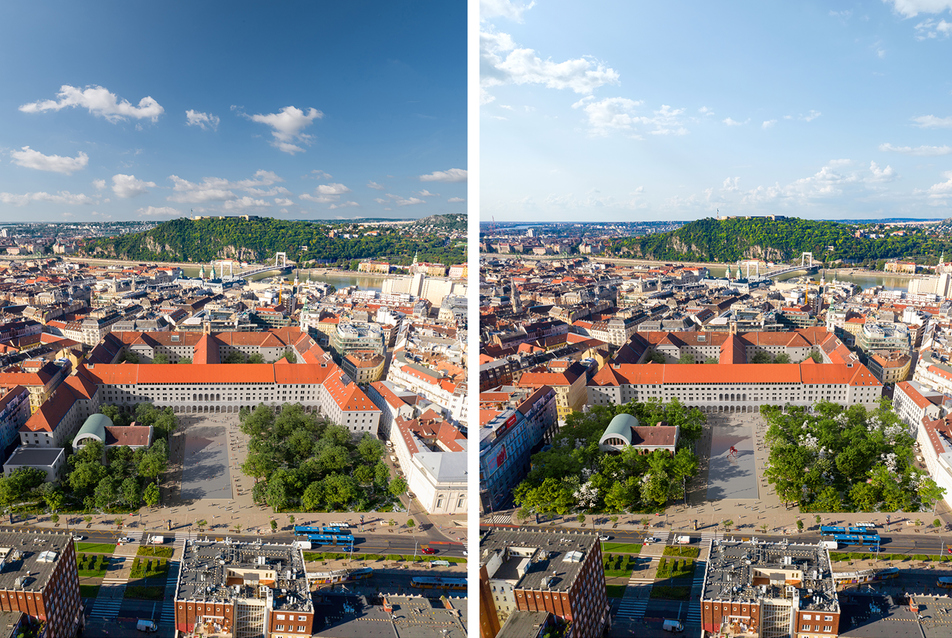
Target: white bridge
{"type": "Point", "coordinates": [279, 257]}
{"type": "Point", "coordinates": [806, 263]}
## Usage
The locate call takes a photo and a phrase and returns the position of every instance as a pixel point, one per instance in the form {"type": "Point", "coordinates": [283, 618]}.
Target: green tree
{"type": "Point", "coordinates": [234, 356]}
{"type": "Point", "coordinates": [151, 495]}
{"type": "Point", "coordinates": [761, 356]}
{"type": "Point", "coordinates": [131, 492]}
{"type": "Point", "coordinates": [398, 486]}
{"type": "Point", "coordinates": [161, 358]}
{"type": "Point", "coordinates": [686, 358]}
{"type": "Point", "coordinates": [799, 525]}
{"type": "Point", "coordinates": [274, 526]}
{"type": "Point", "coordinates": [255, 357]}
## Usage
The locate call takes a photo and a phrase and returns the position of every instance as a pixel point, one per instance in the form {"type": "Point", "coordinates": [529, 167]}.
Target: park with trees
{"type": "Point", "coordinates": [575, 476]}
{"type": "Point", "coordinates": [827, 458]}
{"type": "Point", "coordinates": [303, 462]}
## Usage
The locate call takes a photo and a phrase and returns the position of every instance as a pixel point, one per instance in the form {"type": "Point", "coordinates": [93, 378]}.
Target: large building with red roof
{"type": "Point", "coordinates": [732, 384]}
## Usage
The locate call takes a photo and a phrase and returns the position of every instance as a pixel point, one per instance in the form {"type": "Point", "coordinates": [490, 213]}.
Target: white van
{"type": "Point", "coordinates": [147, 626]}
{"type": "Point", "coordinates": [672, 625]}
{"type": "Point", "coordinates": [830, 544]}
{"type": "Point", "coordinates": [156, 540]}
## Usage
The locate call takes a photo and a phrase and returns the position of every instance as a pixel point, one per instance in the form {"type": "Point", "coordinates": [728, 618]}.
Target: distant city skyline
{"type": "Point", "coordinates": [296, 110]}
{"type": "Point", "coordinates": [632, 111]}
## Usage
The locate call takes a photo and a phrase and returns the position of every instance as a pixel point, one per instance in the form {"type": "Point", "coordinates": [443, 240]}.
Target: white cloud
{"type": "Point", "coordinates": [218, 189]}
{"type": "Point", "coordinates": [881, 174]}
{"type": "Point", "coordinates": [940, 190]}
{"type": "Point", "coordinates": [62, 197]}
{"type": "Point", "coordinates": [452, 175]}
{"type": "Point", "coordinates": [283, 202]}
{"type": "Point", "coordinates": [161, 211]}
{"type": "Point", "coordinates": [270, 192]}
{"type": "Point", "coordinates": [455, 200]}
{"type": "Point", "coordinates": [244, 203]}
{"type": "Point", "coordinates": [99, 184]}
{"type": "Point", "coordinates": [921, 151]}
{"type": "Point", "coordinates": [426, 193]}
{"type": "Point", "coordinates": [319, 174]}
{"type": "Point", "coordinates": [730, 184]}
{"type": "Point", "coordinates": [768, 124]}
{"type": "Point", "coordinates": [380, 200]}
{"type": "Point", "coordinates": [812, 115]}
{"type": "Point", "coordinates": [931, 29]}
{"type": "Point", "coordinates": [400, 201]}
{"type": "Point", "coordinates": [204, 121]}
{"type": "Point", "coordinates": [320, 199]}
{"type": "Point", "coordinates": [375, 186]}
{"type": "Point", "coordinates": [931, 121]}
{"type": "Point", "coordinates": [288, 126]}
{"type": "Point", "coordinates": [620, 114]}
{"type": "Point", "coordinates": [332, 189]}
{"type": "Point", "coordinates": [705, 111]}
{"type": "Point", "coordinates": [502, 62]}
{"type": "Point", "coordinates": [504, 9]}
{"type": "Point", "coordinates": [29, 158]}
{"type": "Point", "coordinates": [98, 101]}
{"type": "Point", "coordinates": [128, 186]}
{"type": "Point", "coordinates": [344, 205]}
{"type": "Point", "coordinates": [732, 122]}
{"type": "Point", "coordinates": [912, 8]}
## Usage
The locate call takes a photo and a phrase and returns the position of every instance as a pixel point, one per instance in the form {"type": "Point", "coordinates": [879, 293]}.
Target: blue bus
{"type": "Point", "coordinates": [829, 529]}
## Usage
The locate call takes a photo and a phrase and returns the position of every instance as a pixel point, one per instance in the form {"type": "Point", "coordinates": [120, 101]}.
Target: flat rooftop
{"type": "Point", "coordinates": [346, 616]}
{"type": "Point", "coordinates": [751, 571]}
{"type": "Point", "coordinates": [27, 560]}
{"type": "Point", "coordinates": [880, 616]}
{"type": "Point", "coordinates": [530, 558]}
{"type": "Point", "coordinates": [230, 571]}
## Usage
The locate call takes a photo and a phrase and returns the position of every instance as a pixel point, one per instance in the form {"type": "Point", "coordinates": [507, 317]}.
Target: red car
{"type": "Point", "coordinates": [428, 550]}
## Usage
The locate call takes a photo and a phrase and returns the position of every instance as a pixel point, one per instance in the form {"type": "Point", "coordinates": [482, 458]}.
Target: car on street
{"type": "Point", "coordinates": [604, 537]}
{"type": "Point", "coordinates": [127, 539]}
{"type": "Point", "coordinates": [652, 539]}
{"type": "Point", "coordinates": [78, 537]}
{"type": "Point", "coordinates": [428, 550]}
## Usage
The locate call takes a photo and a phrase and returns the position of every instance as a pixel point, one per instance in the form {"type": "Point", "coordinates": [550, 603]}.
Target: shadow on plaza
{"type": "Point", "coordinates": [724, 471]}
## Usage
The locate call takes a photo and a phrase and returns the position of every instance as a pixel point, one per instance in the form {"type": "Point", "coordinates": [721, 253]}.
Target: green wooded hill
{"type": "Point", "coordinates": [258, 239]}
{"type": "Point", "coordinates": [451, 222]}
{"type": "Point", "coordinates": [780, 240]}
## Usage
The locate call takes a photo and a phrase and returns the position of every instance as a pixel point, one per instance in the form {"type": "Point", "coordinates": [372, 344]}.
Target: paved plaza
{"type": "Point", "coordinates": [732, 475]}
{"type": "Point", "coordinates": [205, 473]}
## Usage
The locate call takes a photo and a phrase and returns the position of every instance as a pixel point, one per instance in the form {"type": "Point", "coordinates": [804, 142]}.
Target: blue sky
{"type": "Point", "coordinates": [301, 110]}
{"type": "Point", "coordinates": [609, 110]}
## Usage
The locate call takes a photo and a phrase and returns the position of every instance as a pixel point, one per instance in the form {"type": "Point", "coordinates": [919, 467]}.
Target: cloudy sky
{"type": "Point", "coordinates": [614, 110]}
{"type": "Point", "coordinates": [303, 110]}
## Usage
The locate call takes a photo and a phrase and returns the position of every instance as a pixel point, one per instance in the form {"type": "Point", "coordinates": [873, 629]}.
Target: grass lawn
{"type": "Point", "coordinates": [88, 591]}
{"type": "Point", "coordinates": [92, 565]}
{"type": "Point", "coordinates": [162, 552]}
{"type": "Point", "coordinates": [96, 548]}
{"type": "Point", "coordinates": [616, 591]}
{"type": "Point", "coordinates": [687, 552]}
{"type": "Point", "coordinates": [671, 593]}
{"type": "Point", "coordinates": [625, 548]}
{"type": "Point", "coordinates": [147, 567]}
{"type": "Point", "coordinates": [675, 568]}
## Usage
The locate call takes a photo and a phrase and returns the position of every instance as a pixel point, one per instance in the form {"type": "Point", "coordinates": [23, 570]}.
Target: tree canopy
{"type": "Point", "coordinates": [831, 459]}
{"type": "Point", "coordinates": [575, 475]}
{"type": "Point", "coordinates": [299, 460]}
